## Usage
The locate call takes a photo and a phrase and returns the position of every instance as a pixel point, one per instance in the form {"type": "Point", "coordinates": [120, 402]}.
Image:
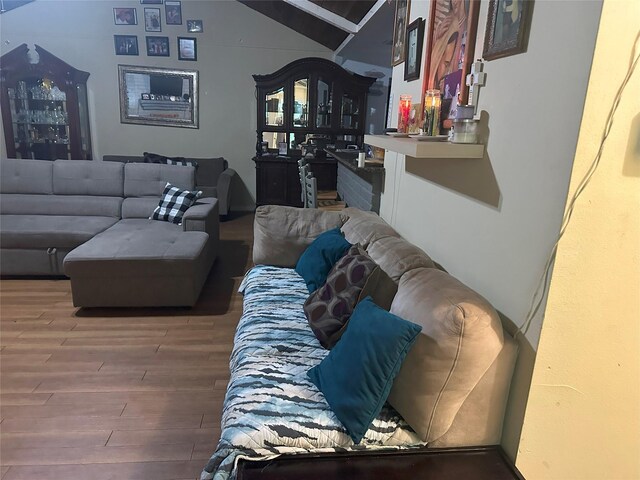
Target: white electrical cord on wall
{"type": "Point", "coordinates": [543, 283]}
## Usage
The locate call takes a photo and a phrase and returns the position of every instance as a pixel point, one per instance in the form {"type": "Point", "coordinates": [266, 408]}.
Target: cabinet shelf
{"type": "Point", "coordinates": [416, 149]}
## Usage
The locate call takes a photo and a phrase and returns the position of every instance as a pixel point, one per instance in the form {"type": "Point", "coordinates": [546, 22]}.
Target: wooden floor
{"type": "Point", "coordinates": [116, 394]}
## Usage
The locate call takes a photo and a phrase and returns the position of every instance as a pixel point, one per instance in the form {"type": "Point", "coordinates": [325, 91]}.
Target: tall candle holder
{"type": "Point", "coordinates": [404, 110]}
{"type": "Point", "coordinates": [432, 104]}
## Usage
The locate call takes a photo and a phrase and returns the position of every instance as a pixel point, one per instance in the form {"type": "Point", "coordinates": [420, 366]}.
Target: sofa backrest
{"type": "Point", "coordinates": [71, 205]}
{"type": "Point", "coordinates": [87, 177]}
{"type": "Point", "coordinates": [149, 179]}
{"type": "Point", "coordinates": [26, 176]}
{"type": "Point", "coordinates": [209, 170]}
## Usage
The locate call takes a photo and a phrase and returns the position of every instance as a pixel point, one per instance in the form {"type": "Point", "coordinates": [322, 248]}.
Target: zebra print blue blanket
{"type": "Point", "coordinates": [271, 407]}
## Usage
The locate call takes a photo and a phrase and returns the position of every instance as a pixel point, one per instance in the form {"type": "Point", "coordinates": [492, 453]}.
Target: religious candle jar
{"type": "Point", "coordinates": [404, 111]}
{"type": "Point", "coordinates": [431, 116]}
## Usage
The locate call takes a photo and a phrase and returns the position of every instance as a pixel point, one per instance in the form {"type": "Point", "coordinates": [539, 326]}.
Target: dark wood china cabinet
{"type": "Point", "coordinates": [306, 106]}
{"type": "Point", "coordinates": [44, 106]}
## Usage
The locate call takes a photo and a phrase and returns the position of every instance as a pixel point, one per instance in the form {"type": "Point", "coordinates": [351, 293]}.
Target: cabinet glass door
{"type": "Point", "coordinates": [323, 117]}
{"type": "Point", "coordinates": [350, 115]}
{"type": "Point", "coordinates": [40, 119]}
{"type": "Point", "coordinates": [275, 108]}
{"type": "Point", "coordinates": [300, 102]}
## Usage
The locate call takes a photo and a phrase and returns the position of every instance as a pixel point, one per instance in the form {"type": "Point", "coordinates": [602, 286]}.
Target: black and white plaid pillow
{"type": "Point", "coordinates": [173, 203]}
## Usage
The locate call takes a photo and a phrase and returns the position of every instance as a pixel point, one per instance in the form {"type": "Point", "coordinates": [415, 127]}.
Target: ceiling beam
{"type": "Point", "coordinates": [327, 16]}
{"type": "Point", "coordinates": [362, 23]}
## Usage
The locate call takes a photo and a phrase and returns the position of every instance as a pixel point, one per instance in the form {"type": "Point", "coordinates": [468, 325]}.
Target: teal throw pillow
{"type": "Point", "coordinates": [319, 257]}
{"type": "Point", "coordinates": [357, 375]}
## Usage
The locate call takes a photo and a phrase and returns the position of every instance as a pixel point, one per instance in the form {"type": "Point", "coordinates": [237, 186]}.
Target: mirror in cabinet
{"type": "Point", "coordinates": [44, 106]}
{"type": "Point", "coordinates": [300, 102]}
{"type": "Point", "coordinates": [323, 109]}
{"type": "Point", "coordinates": [350, 114]}
{"type": "Point", "coordinates": [274, 106]}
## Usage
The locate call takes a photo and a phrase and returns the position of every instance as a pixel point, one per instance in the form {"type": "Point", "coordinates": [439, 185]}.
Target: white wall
{"type": "Point", "coordinates": [236, 43]}
{"type": "Point", "coordinates": [492, 222]}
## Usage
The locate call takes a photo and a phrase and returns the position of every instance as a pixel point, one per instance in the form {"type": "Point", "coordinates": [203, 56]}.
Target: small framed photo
{"type": "Point", "coordinates": [195, 26]}
{"type": "Point", "coordinates": [125, 16]}
{"type": "Point", "coordinates": [157, 46]}
{"type": "Point", "coordinates": [187, 49]}
{"type": "Point", "coordinates": [126, 44]}
{"type": "Point", "coordinates": [151, 2]}
{"type": "Point", "coordinates": [173, 12]}
{"type": "Point", "coordinates": [152, 20]}
{"type": "Point", "coordinates": [413, 49]}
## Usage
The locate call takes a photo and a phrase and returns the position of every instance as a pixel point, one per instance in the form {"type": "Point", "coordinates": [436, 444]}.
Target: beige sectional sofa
{"type": "Point", "coordinates": [453, 386]}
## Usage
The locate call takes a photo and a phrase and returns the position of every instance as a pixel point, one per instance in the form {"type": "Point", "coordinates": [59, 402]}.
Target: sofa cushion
{"type": "Point", "coordinates": [357, 375]}
{"type": "Point", "coordinates": [26, 176]}
{"type": "Point", "coordinates": [143, 207]}
{"type": "Point", "coordinates": [86, 177]}
{"type": "Point", "coordinates": [319, 257]}
{"type": "Point", "coordinates": [209, 171]}
{"type": "Point", "coordinates": [45, 231]}
{"type": "Point", "coordinates": [173, 203]}
{"type": "Point", "coordinates": [362, 226]}
{"type": "Point", "coordinates": [352, 278]}
{"type": "Point", "coordinates": [83, 205]}
{"type": "Point", "coordinates": [396, 256]}
{"type": "Point", "coordinates": [281, 234]}
{"type": "Point", "coordinates": [461, 337]}
{"type": "Point", "coordinates": [139, 247]}
{"type": "Point", "coordinates": [149, 179]}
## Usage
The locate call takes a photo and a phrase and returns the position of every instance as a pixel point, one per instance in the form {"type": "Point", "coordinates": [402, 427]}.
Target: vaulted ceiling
{"type": "Point", "coordinates": [328, 22]}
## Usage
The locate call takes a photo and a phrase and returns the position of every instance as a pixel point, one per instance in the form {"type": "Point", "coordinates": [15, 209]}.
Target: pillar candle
{"type": "Point", "coordinates": [404, 110]}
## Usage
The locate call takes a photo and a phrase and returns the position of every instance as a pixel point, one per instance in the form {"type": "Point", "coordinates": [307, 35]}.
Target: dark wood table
{"type": "Point", "coordinates": [471, 463]}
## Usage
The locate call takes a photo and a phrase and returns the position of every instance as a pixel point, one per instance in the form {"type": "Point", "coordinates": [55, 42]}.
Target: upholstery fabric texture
{"type": "Point", "coordinates": [319, 257]}
{"type": "Point", "coordinates": [74, 205]}
{"type": "Point", "coordinates": [86, 177]}
{"type": "Point", "coordinates": [461, 338]}
{"type": "Point", "coordinates": [357, 375]}
{"type": "Point", "coordinates": [362, 226]}
{"type": "Point", "coordinates": [328, 309]}
{"type": "Point", "coordinates": [174, 203]}
{"type": "Point", "coordinates": [396, 256]}
{"type": "Point", "coordinates": [149, 180]}
{"type": "Point", "coordinates": [26, 176]}
{"type": "Point", "coordinates": [281, 234]}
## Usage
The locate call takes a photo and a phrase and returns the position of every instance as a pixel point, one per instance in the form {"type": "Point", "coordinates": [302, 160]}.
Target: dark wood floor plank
{"type": "Point", "coordinates": [105, 394]}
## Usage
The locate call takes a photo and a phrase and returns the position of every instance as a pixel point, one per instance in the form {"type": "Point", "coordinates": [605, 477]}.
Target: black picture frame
{"type": "Point", "coordinates": [126, 44]}
{"type": "Point", "coordinates": [187, 49]}
{"type": "Point", "coordinates": [413, 49]}
{"type": "Point", "coordinates": [173, 12]}
{"type": "Point", "coordinates": [195, 26]}
{"type": "Point", "coordinates": [507, 31]}
{"type": "Point", "coordinates": [152, 21]}
{"type": "Point", "coordinates": [400, 31]}
{"type": "Point", "coordinates": [125, 16]}
{"type": "Point", "coordinates": [157, 46]}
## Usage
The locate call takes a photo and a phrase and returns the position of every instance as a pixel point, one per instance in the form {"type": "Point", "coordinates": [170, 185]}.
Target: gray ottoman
{"type": "Point", "coordinates": [139, 263]}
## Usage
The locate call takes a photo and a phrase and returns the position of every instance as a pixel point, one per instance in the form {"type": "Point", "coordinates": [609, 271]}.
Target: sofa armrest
{"type": "Point", "coordinates": [202, 217]}
{"type": "Point", "coordinates": [224, 190]}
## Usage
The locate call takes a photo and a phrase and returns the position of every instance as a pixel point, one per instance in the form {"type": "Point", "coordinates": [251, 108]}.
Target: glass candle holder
{"type": "Point", "coordinates": [432, 104]}
{"type": "Point", "coordinates": [404, 110]}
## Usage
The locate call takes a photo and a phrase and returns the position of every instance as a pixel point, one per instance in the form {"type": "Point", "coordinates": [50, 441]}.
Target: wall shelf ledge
{"type": "Point", "coordinates": [416, 149]}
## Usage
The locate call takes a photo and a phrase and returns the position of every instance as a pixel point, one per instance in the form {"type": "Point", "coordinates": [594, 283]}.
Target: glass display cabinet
{"type": "Point", "coordinates": [44, 106]}
{"type": "Point", "coordinates": [303, 108]}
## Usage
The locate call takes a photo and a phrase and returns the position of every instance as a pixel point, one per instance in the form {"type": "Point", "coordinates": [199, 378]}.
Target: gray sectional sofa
{"type": "Point", "coordinates": [90, 221]}
{"type": "Point", "coordinates": [213, 177]}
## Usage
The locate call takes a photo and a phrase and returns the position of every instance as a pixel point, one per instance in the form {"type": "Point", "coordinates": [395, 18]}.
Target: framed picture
{"type": "Point", "coordinates": [126, 44]}
{"type": "Point", "coordinates": [399, 31]}
{"type": "Point", "coordinates": [452, 34]}
{"type": "Point", "coordinates": [413, 49]}
{"type": "Point", "coordinates": [507, 28]}
{"type": "Point", "coordinates": [195, 26]}
{"type": "Point", "coordinates": [173, 12]}
{"type": "Point", "coordinates": [125, 16]}
{"type": "Point", "coordinates": [152, 20]}
{"type": "Point", "coordinates": [157, 46]}
{"type": "Point", "coordinates": [187, 49]}
{"type": "Point", "coordinates": [151, 2]}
